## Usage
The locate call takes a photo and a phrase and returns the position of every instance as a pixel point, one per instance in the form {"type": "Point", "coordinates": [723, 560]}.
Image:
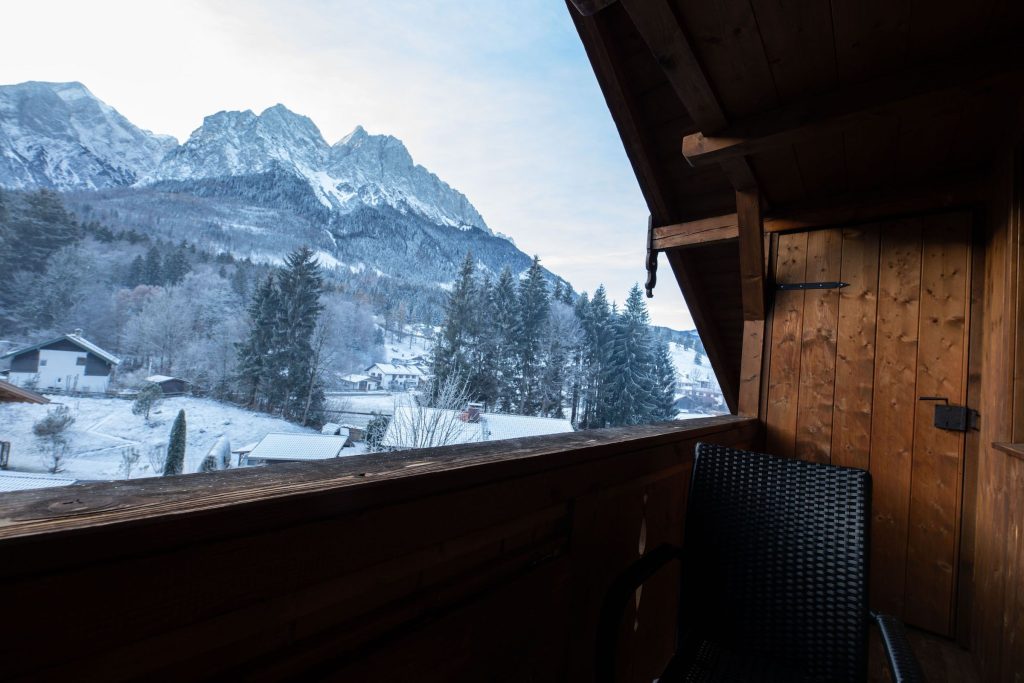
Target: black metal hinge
{"type": "Point", "coordinates": [811, 285]}
{"type": "Point", "coordinates": [953, 417]}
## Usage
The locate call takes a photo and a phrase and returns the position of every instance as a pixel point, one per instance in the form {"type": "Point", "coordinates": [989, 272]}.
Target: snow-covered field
{"type": "Point", "coordinates": [104, 427]}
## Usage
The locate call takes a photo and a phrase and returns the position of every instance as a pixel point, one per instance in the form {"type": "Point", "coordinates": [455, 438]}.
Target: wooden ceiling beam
{"type": "Point", "coordinates": [695, 233]}
{"type": "Point", "coordinates": [624, 112]}
{"type": "Point", "coordinates": [920, 89]}
{"type": "Point", "coordinates": [751, 238]}
{"type": "Point", "coordinates": [589, 8]}
{"type": "Point", "coordinates": [664, 35]}
{"type": "Point", "coordinates": [932, 194]}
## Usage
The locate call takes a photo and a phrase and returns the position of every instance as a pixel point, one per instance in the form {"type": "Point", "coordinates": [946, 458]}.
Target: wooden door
{"type": "Point", "coordinates": [846, 370]}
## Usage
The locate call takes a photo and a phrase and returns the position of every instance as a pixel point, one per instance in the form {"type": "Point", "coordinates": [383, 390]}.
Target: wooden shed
{"type": "Point", "coordinates": [838, 189]}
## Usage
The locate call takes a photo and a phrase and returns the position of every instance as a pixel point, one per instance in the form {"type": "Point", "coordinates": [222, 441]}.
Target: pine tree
{"type": "Point", "coordinates": [176, 448]}
{"type": "Point", "coordinates": [135, 274]}
{"type": "Point", "coordinates": [152, 269]}
{"type": "Point", "coordinates": [504, 307]}
{"type": "Point", "coordinates": [176, 265]}
{"type": "Point", "coordinates": [577, 372]}
{"type": "Point", "coordinates": [450, 357]}
{"type": "Point", "coordinates": [255, 354]}
{"type": "Point", "coordinates": [630, 377]}
{"type": "Point", "coordinates": [534, 307]}
{"type": "Point", "coordinates": [41, 227]}
{"type": "Point", "coordinates": [300, 285]}
{"type": "Point", "coordinates": [665, 387]}
{"type": "Point", "coordinates": [597, 328]}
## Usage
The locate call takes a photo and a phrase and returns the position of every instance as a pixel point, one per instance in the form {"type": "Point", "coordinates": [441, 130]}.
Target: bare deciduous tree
{"type": "Point", "coordinates": [130, 456]}
{"type": "Point", "coordinates": [437, 421]}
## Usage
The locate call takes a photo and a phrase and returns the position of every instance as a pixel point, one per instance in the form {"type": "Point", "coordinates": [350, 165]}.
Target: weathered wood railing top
{"type": "Point", "coordinates": [376, 478]}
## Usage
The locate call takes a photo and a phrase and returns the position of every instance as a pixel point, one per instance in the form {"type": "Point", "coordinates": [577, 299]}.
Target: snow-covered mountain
{"type": "Point", "coordinates": [255, 185]}
{"type": "Point", "coordinates": [60, 136]}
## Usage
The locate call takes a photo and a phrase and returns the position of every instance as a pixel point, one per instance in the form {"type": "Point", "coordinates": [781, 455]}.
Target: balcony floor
{"type": "Point", "coordinates": [942, 659]}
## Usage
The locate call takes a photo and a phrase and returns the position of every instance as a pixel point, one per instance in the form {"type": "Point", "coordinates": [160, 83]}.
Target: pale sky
{"type": "Point", "coordinates": [496, 98]}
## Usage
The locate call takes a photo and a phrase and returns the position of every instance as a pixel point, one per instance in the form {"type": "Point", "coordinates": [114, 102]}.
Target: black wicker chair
{"type": "Point", "coordinates": [775, 576]}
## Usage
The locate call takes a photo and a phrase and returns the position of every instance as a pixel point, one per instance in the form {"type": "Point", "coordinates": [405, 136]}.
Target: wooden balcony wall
{"type": "Point", "coordinates": [995, 597]}
{"type": "Point", "coordinates": [477, 562]}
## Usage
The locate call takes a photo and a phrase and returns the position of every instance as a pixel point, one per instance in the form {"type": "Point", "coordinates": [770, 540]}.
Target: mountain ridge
{"type": "Point", "coordinates": [61, 136]}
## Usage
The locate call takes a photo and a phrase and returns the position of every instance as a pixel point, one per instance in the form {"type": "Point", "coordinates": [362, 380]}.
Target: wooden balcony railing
{"type": "Point", "coordinates": [475, 562]}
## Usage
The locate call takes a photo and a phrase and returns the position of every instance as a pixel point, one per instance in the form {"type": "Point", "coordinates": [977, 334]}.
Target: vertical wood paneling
{"type": "Point", "coordinates": [787, 326]}
{"type": "Point", "coordinates": [855, 349]}
{"type": "Point", "coordinates": [937, 456]}
{"type": "Point", "coordinates": [892, 424]}
{"type": "Point", "coordinates": [1013, 610]}
{"type": "Point", "coordinates": [818, 348]}
{"type": "Point", "coordinates": [1001, 271]}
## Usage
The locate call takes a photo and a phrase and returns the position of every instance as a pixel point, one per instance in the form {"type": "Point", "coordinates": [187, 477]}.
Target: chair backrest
{"type": "Point", "coordinates": [776, 560]}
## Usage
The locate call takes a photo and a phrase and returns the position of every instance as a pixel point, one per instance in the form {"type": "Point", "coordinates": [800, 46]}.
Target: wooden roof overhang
{"type": "Point", "coordinates": [742, 117]}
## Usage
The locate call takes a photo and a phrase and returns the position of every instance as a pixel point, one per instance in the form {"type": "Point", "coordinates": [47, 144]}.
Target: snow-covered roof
{"type": "Point", "coordinates": [501, 426]}
{"type": "Point", "coordinates": [25, 481]}
{"type": "Point", "coordinates": [355, 379]}
{"type": "Point", "coordinates": [280, 446]}
{"type": "Point", "coordinates": [392, 369]}
{"type": "Point", "coordinates": [247, 448]}
{"type": "Point", "coordinates": [417, 427]}
{"type": "Point", "coordinates": [75, 339]}
{"type": "Point", "coordinates": [157, 379]}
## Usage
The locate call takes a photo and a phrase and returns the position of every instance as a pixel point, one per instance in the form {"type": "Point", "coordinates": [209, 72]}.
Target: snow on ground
{"type": "Point", "coordinates": [417, 341]}
{"type": "Point", "coordinates": [105, 426]}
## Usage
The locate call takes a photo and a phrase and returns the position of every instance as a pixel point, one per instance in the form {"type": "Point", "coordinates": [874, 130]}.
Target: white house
{"type": "Point", "coordinates": [396, 377]}
{"type": "Point", "coordinates": [69, 363]}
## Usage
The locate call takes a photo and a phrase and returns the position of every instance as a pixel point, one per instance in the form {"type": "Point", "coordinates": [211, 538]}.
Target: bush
{"type": "Point", "coordinates": [146, 400]}
{"type": "Point", "coordinates": [52, 429]}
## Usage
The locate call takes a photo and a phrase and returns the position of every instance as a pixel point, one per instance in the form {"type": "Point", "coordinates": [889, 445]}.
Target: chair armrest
{"type": "Point", "coordinates": [619, 593]}
{"type": "Point", "coordinates": [902, 662]}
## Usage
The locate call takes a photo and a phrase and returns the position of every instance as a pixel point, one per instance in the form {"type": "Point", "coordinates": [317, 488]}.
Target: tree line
{"type": "Point", "coordinates": [527, 348]}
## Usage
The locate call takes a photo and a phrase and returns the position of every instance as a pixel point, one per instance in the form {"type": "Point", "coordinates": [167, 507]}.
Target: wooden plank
{"type": "Point", "coordinates": [751, 239]}
{"type": "Point", "coordinates": [855, 349]}
{"type": "Point", "coordinates": [751, 368]}
{"type": "Point", "coordinates": [798, 45]}
{"type": "Point", "coordinates": [657, 23]}
{"type": "Point", "coordinates": [787, 324]}
{"type": "Point", "coordinates": [818, 348]}
{"type": "Point", "coordinates": [29, 514]}
{"type": "Point", "coordinates": [870, 37]}
{"type": "Point", "coordinates": [972, 442]}
{"type": "Point", "coordinates": [1000, 332]}
{"type": "Point", "coordinates": [716, 229]}
{"type": "Point", "coordinates": [894, 406]}
{"type": "Point", "coordinates": [1012, 664]}
{"type": "Point", "coordinates": [737, 66]}
{"type": "Point", "coordinates": [912, 92]}
{"type": "Point", "coordinates": [935, 484]}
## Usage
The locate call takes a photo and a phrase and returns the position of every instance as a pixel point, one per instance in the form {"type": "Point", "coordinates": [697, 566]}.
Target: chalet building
{"type": "Point", "coordinates": [394, 377]}
{"type": "Point", "coordinates": [67, 363]}
{"type": "Point", "coordinates": [837, 188]}
{"type": "Point", "coordinates": [170, 386]}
